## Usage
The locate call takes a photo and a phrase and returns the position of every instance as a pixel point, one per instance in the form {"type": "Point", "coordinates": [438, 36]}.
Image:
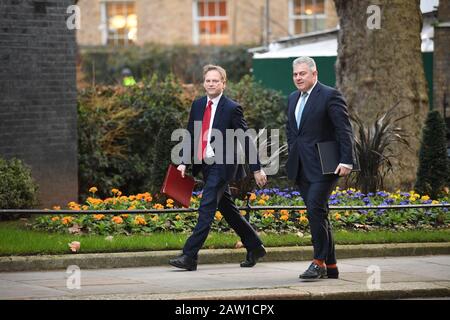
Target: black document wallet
{"type": "Point", "coordinates": [329, 156]}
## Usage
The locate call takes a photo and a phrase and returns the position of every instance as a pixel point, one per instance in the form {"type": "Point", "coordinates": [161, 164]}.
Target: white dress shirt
{"type": "Point", "coordinates": [215, 102]}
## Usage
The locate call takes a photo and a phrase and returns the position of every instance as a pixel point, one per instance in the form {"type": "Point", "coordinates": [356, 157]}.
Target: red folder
{"type": "Point", "coordinates": [178, 188]}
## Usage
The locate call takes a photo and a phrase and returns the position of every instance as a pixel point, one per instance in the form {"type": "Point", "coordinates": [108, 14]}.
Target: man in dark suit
{"type": "Point", "coordinates": [217, 114]}
{"type": "Point", "coordinates": [317, 113]}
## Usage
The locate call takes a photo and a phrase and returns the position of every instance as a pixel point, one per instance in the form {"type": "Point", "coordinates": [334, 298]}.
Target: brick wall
{"type": "Point", "coordinates": [171, 21]}
{"type": "Point", "coordinates": [38, 119]}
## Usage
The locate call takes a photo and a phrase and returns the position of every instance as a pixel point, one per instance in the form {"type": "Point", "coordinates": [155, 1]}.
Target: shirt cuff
{"type": "Point", "coordinates": [348, 166]}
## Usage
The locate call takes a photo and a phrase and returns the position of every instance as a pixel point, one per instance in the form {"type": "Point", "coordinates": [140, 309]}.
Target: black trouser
{"type": "Point", "coordinates": [316, 195]}
{"type": "Point", "coordinates": [216, 195]}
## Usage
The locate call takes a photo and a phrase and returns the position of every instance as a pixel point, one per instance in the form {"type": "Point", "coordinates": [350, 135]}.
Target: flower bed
{"type": "Point", "coordinates": [263, 220]}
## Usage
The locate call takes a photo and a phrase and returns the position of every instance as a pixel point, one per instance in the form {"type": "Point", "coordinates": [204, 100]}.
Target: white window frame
{"type": "Point", "coordinates": [294, 17]}
{"type": "Point", "coordinates": [104, 25]}
{"type": "Point", "coordinates": [196, 19]}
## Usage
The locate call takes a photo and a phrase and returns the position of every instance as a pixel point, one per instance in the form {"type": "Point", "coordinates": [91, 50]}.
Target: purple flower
{"type": "Point", "coordinates": [382, 194]}
{"type": "Point", "coordinates": [404, 202]}
{"type": "Point", "coordinates": [295, 193]}
{"type": "Point", "coordinates": [370, 194]}
{"type": "Point", "coordinates": [366, 200]}
{"type": "Point", "coordinates": [362, 211]}
{"type": "Point", "coordinates": [334, 202]}
{"type": "Point", "coordinates": [427, 201]}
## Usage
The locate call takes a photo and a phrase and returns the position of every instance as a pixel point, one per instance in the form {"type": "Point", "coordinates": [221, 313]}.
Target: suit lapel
{"type": "Point", "coordinates": [312, 98]}
{"type": "Point", "coordinates": [202, 108]}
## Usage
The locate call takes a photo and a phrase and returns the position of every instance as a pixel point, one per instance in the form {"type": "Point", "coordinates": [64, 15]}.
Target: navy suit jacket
{"type": "Point", "coordinates": [229, 115]}
{"type": "Point", "coordinates": [324, 118]}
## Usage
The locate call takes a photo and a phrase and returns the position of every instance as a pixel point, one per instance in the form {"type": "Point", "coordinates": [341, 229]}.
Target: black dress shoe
{"type": "Point", "coordinates": [314, 272]}
{"type": "Point", "coordinates": [184, 262]}
{"type": "Point", "coordinates": [252, 257]}
{"type": "Point", "coordinates": [333, 273]}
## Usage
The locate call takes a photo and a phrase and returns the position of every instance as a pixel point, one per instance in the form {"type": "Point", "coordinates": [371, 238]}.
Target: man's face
{"type": "Point", "coordinates": [213, 83]}
{"type": "Point", "coordinates": [303, 77]}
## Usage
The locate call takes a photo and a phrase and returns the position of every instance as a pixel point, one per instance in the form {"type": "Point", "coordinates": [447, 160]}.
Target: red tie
{"type": "Point", "coordinates": [201, 152]}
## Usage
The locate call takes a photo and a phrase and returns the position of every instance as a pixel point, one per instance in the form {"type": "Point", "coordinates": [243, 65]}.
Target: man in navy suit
{"type": "Point", "coordinates": [317, 113]}
{"type": "Point", "coordinates": [218, 114]}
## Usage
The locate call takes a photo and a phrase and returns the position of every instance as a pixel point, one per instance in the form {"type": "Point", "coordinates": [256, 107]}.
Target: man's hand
{"type": "Point", "coordinates": [260, 178]}
{"type": "Point", "coordinates": [182, 169]}
{"type": "Point", "coordinates": [342, 171]}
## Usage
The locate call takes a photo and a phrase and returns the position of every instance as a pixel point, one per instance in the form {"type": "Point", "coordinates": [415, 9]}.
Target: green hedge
{"type": "Point", "coordinates": [105, 65]}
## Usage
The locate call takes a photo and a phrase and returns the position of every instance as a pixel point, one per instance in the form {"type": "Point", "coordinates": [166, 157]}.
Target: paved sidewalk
{"type": "Point", "coordinates": [401, 277]}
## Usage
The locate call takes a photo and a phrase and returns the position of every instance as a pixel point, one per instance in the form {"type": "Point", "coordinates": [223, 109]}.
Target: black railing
{"type": "Point", "coordinates": [248, 207]}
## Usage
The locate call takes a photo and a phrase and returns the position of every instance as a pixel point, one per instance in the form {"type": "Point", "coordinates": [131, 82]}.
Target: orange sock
{"type": "Point", "coordinates": [320, 263]}
{"type": "Point", "coordinates": [331, 266]}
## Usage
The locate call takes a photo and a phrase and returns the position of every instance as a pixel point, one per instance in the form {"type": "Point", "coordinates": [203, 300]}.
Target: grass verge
{"type": "Point", "coordinates": [15, 240]}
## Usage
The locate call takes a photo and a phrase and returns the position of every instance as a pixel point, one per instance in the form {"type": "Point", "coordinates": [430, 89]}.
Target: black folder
{"type": "Point", "coordinates": [329, 156]}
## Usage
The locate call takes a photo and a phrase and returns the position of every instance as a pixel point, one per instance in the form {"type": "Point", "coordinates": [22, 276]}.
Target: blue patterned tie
{"type": "Point", "coordinates": [298, 116]}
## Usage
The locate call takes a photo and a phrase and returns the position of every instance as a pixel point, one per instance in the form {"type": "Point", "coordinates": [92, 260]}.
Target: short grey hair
{"type": "Point", "coordinates": [309, 62]}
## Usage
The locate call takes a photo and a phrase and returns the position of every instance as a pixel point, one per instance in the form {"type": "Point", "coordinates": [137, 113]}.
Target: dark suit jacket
{"type": "Point", "coordinates": [229, 115]}
{"type": "Point", "coordinates": [325, 118]}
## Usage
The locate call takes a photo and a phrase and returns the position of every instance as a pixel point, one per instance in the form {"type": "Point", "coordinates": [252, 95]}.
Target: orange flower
{"type": "Point", "coordinates": [303, 219]}
{"type": "Point", "coordinates": [252, 196]}
{"type": "Point", "coordinates": [337, 216]}
{"type": "Point", "coordinates": [140, 220]}
{"type": "Point", "coordinates": [114, 191]}
{"type": "Point", "coordinates": [284, 212]}
{"type": "Point", "coordinates": [56, 207]}
{"type": "Point", "coordinates": [158, 206]}
{"type": "Point", "coordinates": [178, 217]}
{"type": "Point", "coordinates": [99, 216]}
{"type": "Point", "coordinates": [67, 220]}
{"type": "Point", "coordinates": [55, 218]}
{"type": "Point", "coordinates": [132, 208]}
{"type": "Point", "coordinates": [284, 218]}
{"type": "Point", "coordinates": [93, 190]}
{"type": "Point", "coordinates": [117, 220]}
{"type": "Point", "coordinates": [155, 218]}
{"type": "Point", "coordinates": [218, 216]}
{"type": "Point", "coordinates": [124, 215]}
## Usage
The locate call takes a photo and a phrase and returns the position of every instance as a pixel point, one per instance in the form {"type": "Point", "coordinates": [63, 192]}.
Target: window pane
{"type": "Point", "coordinates": [222, 8]}
{"type": "Point", "coordinates": [223, 27]}
{"type": "Point", "coordinates": [320, 7]}
{"type": "Point", "coordinates": [298, 26]}
{"type": "Point", "coordinates": [211, 8]}
{"type": "Point", "coordinates": [201, 9]}
{"type": "Point", "coordinates": [309, 7]}
{"type": "Point", "coordinates": [297, 7]}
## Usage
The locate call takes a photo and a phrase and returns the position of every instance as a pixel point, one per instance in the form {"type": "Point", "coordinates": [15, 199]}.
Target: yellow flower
{"type": "Point", "coordinates": [114, 191]}
{"type": "Point", "coordinates": [178, 217]}
{"type": "Point", "coordinates": [261, 202]}
{"type": "Point", "coordinates": [124, 215]}
{"type": "Point", "coordinates": [84, 207]}
{"type": "Point", "coordinates": [93, 201]}
{"type": "Point", "coordinates": [131, 208]}
{"type": "Point", "coordinates": [284, 212]}
{"type": "Point", "coordinates": [169, 205]}
{"type": "Point", "coordinates": [252, 196]}
{"type": "Point", "coordinates": [55, 218]}
{"type": "Point", "coordinates": [337, 216]}
{"type": "Point", "coordinates": [303, 219]}
{"type": "Point", "coordinates": [284, 218]}
{"type": "Point", "coordinates": [169, 201]}
{"type": "Point", "coordinates": [67, 220]}
{"type": "Point", "coordinates": [218, 216]}
{"type": "Point", "coordinates": [155, 218]}
{"type": "Point", "coordinates": [93, 190]}
{"type": "Point", "coordinates": [425, 198]}
{"type": "Point", "coordinates": [117, 220]}
{"type": "Point", "coordinates": [132, 198]}
{"type": "Point", "coordinates": [140, 220]}
{"type": "Point", "coordinates": [243, 212]}
{"type": "Point", "coordinates": [434, 202]}
{"type": "Point", "coordinates": [99, 216]}
{"type": "Point", "coordinates": [265, 197]}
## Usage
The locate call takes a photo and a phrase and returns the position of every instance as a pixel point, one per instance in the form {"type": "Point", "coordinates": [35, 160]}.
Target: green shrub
{"type": "Point", "coordinates": [105, 65]}
{"type": "Point", "coordinates": [17, 188]}
{"type": "Point", "coordinates": [118, 128]}
{"type": "Point", "coordinates": [432, 172]}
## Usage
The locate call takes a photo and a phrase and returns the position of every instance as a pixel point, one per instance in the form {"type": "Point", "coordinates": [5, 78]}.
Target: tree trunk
{"type": "Point", "coordinates": [378, 67]}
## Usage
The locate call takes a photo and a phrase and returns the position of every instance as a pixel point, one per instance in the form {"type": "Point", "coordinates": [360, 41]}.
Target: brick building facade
{"type": "Point", "coordinates": [38, 118]}
{"type": "Point", "coordinates": [199, 21]}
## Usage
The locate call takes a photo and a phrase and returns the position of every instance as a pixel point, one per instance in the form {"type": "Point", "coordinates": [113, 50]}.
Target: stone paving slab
{"type": "Point", "coordinates": [401, 277]}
